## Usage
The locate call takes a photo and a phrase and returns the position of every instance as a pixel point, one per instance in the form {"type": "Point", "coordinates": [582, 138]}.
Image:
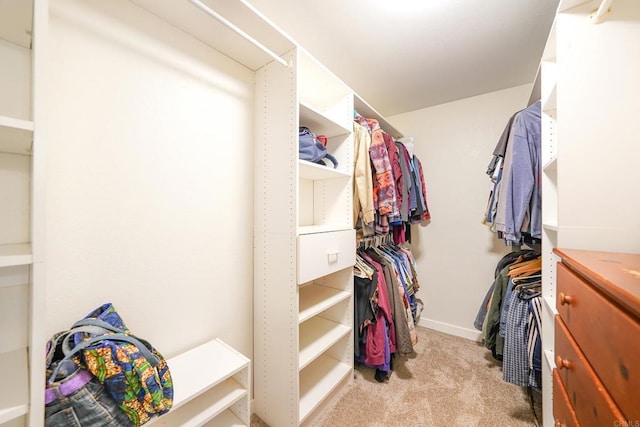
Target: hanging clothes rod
{"type": "Point", "coordinates": [599, 14]}
{"type": "Point", "coordinates": [244, 35]}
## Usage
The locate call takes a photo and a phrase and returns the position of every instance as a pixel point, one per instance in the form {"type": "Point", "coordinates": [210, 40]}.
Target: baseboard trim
{"type": "Point", "coordinates": [470, 334]}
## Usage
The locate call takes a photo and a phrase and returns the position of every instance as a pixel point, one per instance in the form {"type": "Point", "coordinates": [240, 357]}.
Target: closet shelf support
{"type": "Point", "coordinates": [599, 15]}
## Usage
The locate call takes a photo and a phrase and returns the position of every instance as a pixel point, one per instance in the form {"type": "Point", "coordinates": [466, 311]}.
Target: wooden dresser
{"type": "Point", "coordinates": [597, 339]}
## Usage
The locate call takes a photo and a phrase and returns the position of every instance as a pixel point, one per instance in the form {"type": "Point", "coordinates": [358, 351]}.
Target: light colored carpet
{"type": "Point", "coordinates": [450, 381]}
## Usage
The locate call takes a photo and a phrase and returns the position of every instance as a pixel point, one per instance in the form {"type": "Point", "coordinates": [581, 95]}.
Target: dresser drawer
{"type": "Point", "coordinates": [320, 254]}
{"type": "Point", "coordinates": [563, 414]}
{"type": "Point", "coordinates": [591, 402]}
{"type": "Point", "coordinates": [607, 336]}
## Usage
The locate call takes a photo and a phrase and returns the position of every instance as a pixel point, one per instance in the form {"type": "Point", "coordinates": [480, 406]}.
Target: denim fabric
{"type": "Point", "coordinates": [89, 406]}
{"type": "Point", "coordinates": [505, 308]}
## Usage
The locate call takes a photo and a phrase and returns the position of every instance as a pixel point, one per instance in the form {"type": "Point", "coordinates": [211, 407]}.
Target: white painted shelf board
{"type": "Point", "coordinates": [319, 86]}
{"type": "Point", "coordinates": [313, 229]}
{"type": "Point", "coordinates": [14, 400]}
{"type": "Point", "coordinates": [549, 103]}
{"type": "Point", "coordinates": [315, 172]}
{"type": "Point", "coordinates": [549, 357]}
{"type": "Point", "coordinates": [316, 336]}
{"type": "Point", "coordinates": [206, 407]}
{"type": "Point", "coordinates": [570, 4]}
{"type": "Point", "coordinates": [190, 19]}
{"type": "Point", "coordinates": [15, 135]}
{"type": "Point", "coordinates": [368, 112]}
{"type": "Point", "coordinates": [226, 419]}
{"type": "Point", "coordinates": [550, 227]}
{"type": "Point", "coordinates": [315, 299]}
{"type": "Point", "coordinates": [317, 381]}
{"type": "Point", "coordinates": [551, 166]}
{"type": "Point", "coordinates": [15, 254]}
{"type": "Point", "coordinates": [548, 320]}
{"type": "Point", "coordinates": [550, 305]}
{"type": "Point", "coordinates": [16, 24]}
{"type": "Point", "coordinates": [552, 113]}
{"type": "Point", "coordinates": [189, 377]}
{"type": "Point", "coordinates": [320, 124]}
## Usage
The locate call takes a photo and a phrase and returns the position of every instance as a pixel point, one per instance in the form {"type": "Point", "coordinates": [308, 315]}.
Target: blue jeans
{"type": "Point", "coordinates": [89, 406]}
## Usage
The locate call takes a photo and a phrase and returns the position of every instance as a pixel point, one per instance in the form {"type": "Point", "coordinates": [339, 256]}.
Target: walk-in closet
{"type": "Point", "coordinates": [319, 213]}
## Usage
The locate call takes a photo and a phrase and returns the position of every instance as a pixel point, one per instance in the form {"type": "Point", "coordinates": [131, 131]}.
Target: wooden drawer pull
{"type": "Point", "coordinates": [559, 424]}
{"type": "Point", "coordinates": [565, 299]}
{"type": "Point", "coordinates": [562, 363]}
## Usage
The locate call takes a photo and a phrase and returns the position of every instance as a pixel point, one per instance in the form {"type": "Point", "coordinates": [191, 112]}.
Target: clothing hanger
{"type": "Point", "coordinates": [532, 285]}
{"type": "Point", "coordinates": [537, 285]}
{"type": "Point", "coordinates": [530, 267]}
{"type": "Point", "coordinates": [527, 294]}
{"type": "Point", "coordinates": [364, 267]}
{"type": "Point", "coordinates": [525, 277]}
{"type": "Point", "coordinates": [526, 280]}
{"type": "Point", "coordinates": [521, 261]}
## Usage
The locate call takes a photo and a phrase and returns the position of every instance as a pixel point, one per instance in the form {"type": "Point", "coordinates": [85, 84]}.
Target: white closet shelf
{"type": "Point", "coordinates": [316, 336]}
{"type": "Point", "coordinates": [551, 113]}
{"type": "Point", "coordinates": [15, 254]}
{"type": "Point", "coordinates": [15, 135]}
{"type": "Point", "coordinates": [314, 299]}
{"type": "Point", "coordinates": [320, 87]}
{"type": "Point", "coordinates": [550, 305]}
{"type": "Point", "coordinates": [319, 123]}
{"type": "Point", "coordinates": [315, 172]}
{"type": "Point", "coordinates": [569, 4]}
{"type": "Point", "coordinates": [549, 102]}
{"type": "Point", "coordinates": [208, 406]}
{"type": "Point", "coordinates": [226, 419]}
{"type": "Point", "coordinates": [549, 358]}
{"type": "Point", "coordinates": [187, 17]}
{"type": "Point", "coordinates": [15, 22]}
{"type": "Point", "coordinates": [550, 227]}
{"type": "Point", "coordinates": [318, 380]}
{"type": "Point", "coordinates": [551, 166]}
{"type": "Point", "coordinates": [325, 228]}
{"type": "Point", "coordinates": [197, 370]}
{"type": "Point", "coordinates": [14, 400]}
{"type": "Point", "coordinates": [366, 111]}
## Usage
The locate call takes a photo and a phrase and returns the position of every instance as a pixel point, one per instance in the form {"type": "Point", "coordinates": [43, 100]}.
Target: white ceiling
{"type": "Point", "coordinates": [403, 55]}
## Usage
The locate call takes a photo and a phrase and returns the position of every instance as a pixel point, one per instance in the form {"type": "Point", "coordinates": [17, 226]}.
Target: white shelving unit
{"type": "Point", "coordinates": [314, 299]}
{"type": "Point", "coordinates": [304, 242]}
{"type": "Point", "coordinates": [22, 339]}
{"type": "Point", "coordinates": [316, 336]}
{"type": "Point", "coordinates": [589, 150]}
{"type": "Point", "coordinates": [15, 135]}
{"type": "Point", "coordinates": [221, 397]}
{"type": "Point", "coordinates": [318, 381]}
{"type": "Point", "coordinates": [14, 396]}
{"type": "Point", "coordinates": [12, 255]}
{"type": "Point", "coordinates": [549, 158]}
{"type": "Point", "coordinates": [212, 385]}
{"type": "Point", "coordinates": [303, 349]}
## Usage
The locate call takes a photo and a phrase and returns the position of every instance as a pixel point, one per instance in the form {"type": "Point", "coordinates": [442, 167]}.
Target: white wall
{"type": "Point", "coordinates": [455, 253]}
{"type": "Point", "coordinates": [149, 178]}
